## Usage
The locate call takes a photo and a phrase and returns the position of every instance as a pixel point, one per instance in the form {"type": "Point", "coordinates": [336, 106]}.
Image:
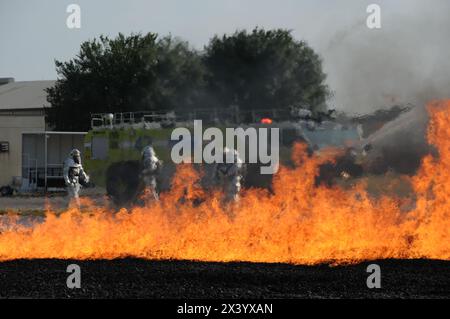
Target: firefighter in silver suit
{"type": "Point", "coordinates": [151, 167]}
{"type": "Point", "coordinates": [229, 174]}
{"type": "Point", "coordinates": [74, 176]}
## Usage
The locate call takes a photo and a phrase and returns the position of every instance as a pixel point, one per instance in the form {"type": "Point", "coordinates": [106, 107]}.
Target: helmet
{"type": "Point", "coordinates": [230, 155]}
{"type": "Point", "coordinates": [76, 155]}
{"type": "Point", "coordinates": [148, 151]}
{"type": "Point", "coordinates": [75, 152]}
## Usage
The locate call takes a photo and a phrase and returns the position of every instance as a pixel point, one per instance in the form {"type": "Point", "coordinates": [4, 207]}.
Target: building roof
{"type": "Point", "coordinates": [24, 95]}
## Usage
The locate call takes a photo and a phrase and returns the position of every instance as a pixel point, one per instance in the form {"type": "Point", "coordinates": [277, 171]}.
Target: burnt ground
{"type": "Point", "coordinates": [137, 278]}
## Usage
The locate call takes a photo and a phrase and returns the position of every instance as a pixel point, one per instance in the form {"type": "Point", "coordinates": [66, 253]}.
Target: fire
{"type": "Point", "coordinates": [298, 223]}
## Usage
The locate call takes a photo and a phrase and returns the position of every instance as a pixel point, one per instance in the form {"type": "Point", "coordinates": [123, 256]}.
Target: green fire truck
{"type": "Point", "coordinates": [112, 153]}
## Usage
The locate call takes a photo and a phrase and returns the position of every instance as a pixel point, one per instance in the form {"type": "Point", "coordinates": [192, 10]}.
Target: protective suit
{"type": "Point", "coordinates": [74, 176]}
{"type": "Point", "coordinates": [229, 174]}
{"type": "Point", "coordinates": [151, 166]}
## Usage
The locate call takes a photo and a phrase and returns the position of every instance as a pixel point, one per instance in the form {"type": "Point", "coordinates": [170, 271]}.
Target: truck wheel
{"type": "Point", "coordinates": [123, 182]}
{"type": "Point", "coordinates": [6, 191]}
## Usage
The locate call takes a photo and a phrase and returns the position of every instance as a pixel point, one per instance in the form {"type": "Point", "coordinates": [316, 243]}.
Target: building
{"type": "Point", "coordinates": [31, 154]}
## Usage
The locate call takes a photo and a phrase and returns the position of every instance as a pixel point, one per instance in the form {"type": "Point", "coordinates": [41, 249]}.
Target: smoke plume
{"type": "Point", "coordinates": [406, 61]}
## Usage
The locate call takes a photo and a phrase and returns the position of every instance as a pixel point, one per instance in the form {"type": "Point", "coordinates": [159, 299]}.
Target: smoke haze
{"type": "Point", "coordinates": [406, 61]}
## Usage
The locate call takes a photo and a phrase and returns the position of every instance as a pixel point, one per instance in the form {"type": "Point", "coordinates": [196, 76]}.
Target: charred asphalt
{"type": "Point", "coordinates": [137, 278]}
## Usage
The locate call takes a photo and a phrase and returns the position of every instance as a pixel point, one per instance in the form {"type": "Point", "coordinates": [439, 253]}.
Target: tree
{"type": "Point", "coordinates": [264, 70]}
{"type": "Point", "coordinates": [181, 74]}
{"type": "Point", "coordinates": [128, 73]}
{"type": "Point", "coordinates": [256, 70]}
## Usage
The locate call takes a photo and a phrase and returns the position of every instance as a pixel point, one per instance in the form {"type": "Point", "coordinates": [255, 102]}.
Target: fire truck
{"type": "Point", "coordinates": [112, 148]}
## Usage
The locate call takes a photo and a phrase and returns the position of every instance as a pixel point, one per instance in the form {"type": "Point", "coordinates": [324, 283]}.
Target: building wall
{"type": "Point", "coordinates": [59, 145]}
{"type": "Point", "coordinates": [11, 129]}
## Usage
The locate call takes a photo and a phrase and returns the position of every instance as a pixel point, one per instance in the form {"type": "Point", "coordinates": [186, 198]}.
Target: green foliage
{"type": "Point", "coordinates": [133, 73]}
{"type": "Point", "coordinates": [257, 70]}
{"type": "Point", "coordinates": [263, 70]}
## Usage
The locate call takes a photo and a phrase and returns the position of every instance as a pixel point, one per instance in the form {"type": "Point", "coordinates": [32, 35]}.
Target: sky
{"type": "Point", "coordinates": [406, 61]}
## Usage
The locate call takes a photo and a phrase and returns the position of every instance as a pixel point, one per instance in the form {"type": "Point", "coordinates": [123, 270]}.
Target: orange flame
{"type": "Point", "coordinates": [299, 223]}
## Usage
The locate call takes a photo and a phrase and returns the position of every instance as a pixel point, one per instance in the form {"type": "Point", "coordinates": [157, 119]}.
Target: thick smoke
{"type": "Point", "coordinates": [406, 61]}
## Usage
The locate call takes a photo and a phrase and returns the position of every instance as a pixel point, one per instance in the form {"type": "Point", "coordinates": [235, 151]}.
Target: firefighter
{"type": "Point", "coordinates": [229, 174]}
{"type": "Point", "coordinates": [151, 167]}
{"type": "Point", "coordinates": [74, 176]}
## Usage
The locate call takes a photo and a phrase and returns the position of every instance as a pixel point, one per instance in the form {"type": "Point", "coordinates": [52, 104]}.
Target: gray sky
{"type": "Point", "coordinates": [406, 61]}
